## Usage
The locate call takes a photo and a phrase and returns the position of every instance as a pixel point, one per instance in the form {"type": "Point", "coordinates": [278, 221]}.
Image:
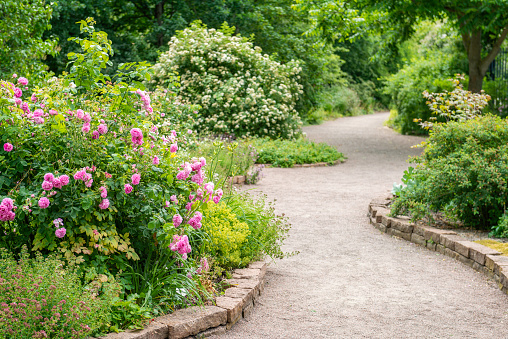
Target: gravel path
{"type": "Point", "coordinates": [350, 280]}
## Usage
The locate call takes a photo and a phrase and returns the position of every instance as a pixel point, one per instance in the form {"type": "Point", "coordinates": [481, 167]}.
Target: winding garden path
{"type": "Point", "coordinates": [350, 280]}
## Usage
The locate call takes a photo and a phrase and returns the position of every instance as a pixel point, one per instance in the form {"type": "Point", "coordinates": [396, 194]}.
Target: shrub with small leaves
{"type": "Point", "coordinates": [241, 91]}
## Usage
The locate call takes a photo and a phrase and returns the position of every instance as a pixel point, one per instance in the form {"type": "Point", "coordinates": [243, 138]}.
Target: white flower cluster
{"type": "Point", "coordinates": [240, 90]}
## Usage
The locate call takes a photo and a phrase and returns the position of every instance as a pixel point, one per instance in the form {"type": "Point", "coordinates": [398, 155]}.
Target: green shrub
{"type": "Point", "coordinates": [501, 229]}
{"type": "Point", "coordinates": [464, 171]}
{"type": "Point", "coordinates": [241, 91]}
{"type": "Point", "coordinates": [226, 235]}
{"type": "Point", "coordinates": [406, 88]}
{"type": "Point", "coordinates": [286, 153]}
{"type": "Point", "coordinates": [39, 298]}
{"type": "Point", "coordinates": [267, 229]}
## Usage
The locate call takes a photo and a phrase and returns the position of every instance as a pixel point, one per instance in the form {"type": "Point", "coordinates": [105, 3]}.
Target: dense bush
{"type": "Point", "coordinates": [94, 170]}
{"type": "Point", "coordinates": [285, 153]}
{"type": "Point", "coordinates": [241, 91]}
{"type": "Point", "coordinates": [463, 171]}
{"type": "Point", "coordinates": [41, 299]}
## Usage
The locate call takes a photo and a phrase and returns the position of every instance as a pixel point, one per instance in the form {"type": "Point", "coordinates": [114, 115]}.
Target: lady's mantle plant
{"type": "Point", "coordinates": [90, 166]}
{"type": "Point", "coordinates": [241, 91]}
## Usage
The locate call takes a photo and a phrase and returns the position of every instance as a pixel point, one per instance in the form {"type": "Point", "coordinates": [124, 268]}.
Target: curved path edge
{"type": "Point", "coordinates": [481, 258]}
{"type": "Point", "coordinates": [203, 321]}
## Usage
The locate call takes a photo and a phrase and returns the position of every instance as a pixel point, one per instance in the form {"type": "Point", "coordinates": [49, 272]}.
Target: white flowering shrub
{"type": "Point", "coordinates": [241, 91]}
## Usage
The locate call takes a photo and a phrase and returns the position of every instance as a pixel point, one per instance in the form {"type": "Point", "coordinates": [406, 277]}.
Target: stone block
{"type": "Point", "coordinates": [479, 252]}
{"type": "Point", "coordinates": [465, 260]}
{"type": "Point", "coordinates": [402, 225]}
{"type": "Point", "coordinates": [389, 231]}
{"type": "Point", "coordinates": [451, 254]}
{"type": "Point", "coordinates": [155, 330]}
{"type": "Point", "coordinates": [462, 248]}
{"type": "Point", "coordinates": [491, 261]}
{"type": "Point", "coordinates": [247, 310]}
{"type": "Point", "coordinates": [233, 306]}
{"type": "Point", "coordinates": [380, 212]}
{"type": "Point", "coordinates": [418, 239]}
{"type": "Point", "coordinates": [261, 266]}
{"type": "Point", "coordinates": [248, 284]}
{"type": "Point", "coordinates": [420, 230]}
{"type": "Point", "coordinates": [239, 293]}
{"type": "Point", "coordinates": [440, 248]}
{"type": "Point", "coordinates": [397, 233]}
{"type": "Point", "coordinates": [431, 245]}
{"type": "Point", "coordinates": [435, 234]}
{"type": "Point", "coordinates": [246, 273]}
{"type": "Point", "coordinates": [219, 330]}
{"type": "Point", "coordinates": [380, 227]}
{"type": "Point", "coordinates": [190, 321]}
{"type": "Point", "coordinates": [386, 220]}
{"type": "Point", "coordinates": [500, 267]}
{"type": "Point", "coordinates": [449, 240]}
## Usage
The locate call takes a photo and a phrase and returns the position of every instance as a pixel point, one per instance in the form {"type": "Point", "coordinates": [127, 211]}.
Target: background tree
{"type": "Point", "coordinates": [483, 24]}
{"type": "Point", "coordinates": [22, 24]}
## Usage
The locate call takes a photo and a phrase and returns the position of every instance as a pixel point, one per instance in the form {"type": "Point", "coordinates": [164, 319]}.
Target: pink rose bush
{"type": "Point", "coordinates": [106, 175]}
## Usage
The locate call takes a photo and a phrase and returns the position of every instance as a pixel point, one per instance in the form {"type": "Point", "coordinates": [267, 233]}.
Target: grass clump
{"type": "Point", "coordinates": [287, 153]}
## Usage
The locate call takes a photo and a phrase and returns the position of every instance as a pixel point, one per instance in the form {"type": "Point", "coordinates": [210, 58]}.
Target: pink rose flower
{"type": "Point", "coordinates": [80, 114]}
{"type": "Point", "coordinates": [127, 188]}
{"type": "Point", "coordinates": [156, 160]}
{"type": "Point", "coordinates": [104, 204]}
{"type": "Point", "coordinates": [43, 202]}
{"type": "Point", "coordinates": [85, 128]}
{"type": "Point", "coordinates": [102, 129]}
{"type": "Point", "coordinates": [173, 148]}
{"type": "Point", "coordinates": [8, 147]}
{"type": "Point", "coordinates": [18, 92]}
{"type": "Point", "coordinates": [49, 177]}
{"type": "Point", "coordinates": [23, 81]}
{"type": "Point", "coordinates": [38, 113]}
{"type": "Point", "coordinates": [47, 185]}
{"type": "Point", "coordinates": [60, 233]}
{"type": "Point", "coordinates": [177, 220]}
{"type": "Point", "coordinates": [95, 135]}
{"type": "Point", "coordinates": [135, 179]}
{"type": "Point", "coordinates": [64, 180]}
{"type": "Point", "coordinates": [53, 112]}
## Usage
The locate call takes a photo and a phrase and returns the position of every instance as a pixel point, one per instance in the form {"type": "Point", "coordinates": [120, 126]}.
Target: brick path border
{"type": "Point", "coordinates": [481, 258]}
{"type": "Point", "coordinates": [202, 321]}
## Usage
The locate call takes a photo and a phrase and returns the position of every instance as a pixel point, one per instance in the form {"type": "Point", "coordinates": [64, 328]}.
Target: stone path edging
{"type": "Point", "coordinates": [316, 164]}
{"type": "Point", "coordinates": [481, 258]}
{"type": "Point", "coordinates": [203, 321]}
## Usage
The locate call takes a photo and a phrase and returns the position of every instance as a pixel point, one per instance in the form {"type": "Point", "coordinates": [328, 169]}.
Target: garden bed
{"type": "Point", "coordinates": [452, 243]}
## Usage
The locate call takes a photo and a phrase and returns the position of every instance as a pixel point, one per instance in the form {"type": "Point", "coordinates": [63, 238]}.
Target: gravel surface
{"type": "Point", "coordinates": [350, 280]}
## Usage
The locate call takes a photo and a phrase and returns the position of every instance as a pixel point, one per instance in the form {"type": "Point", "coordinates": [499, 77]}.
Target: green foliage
{"type": "Point", "coordinates": [285, 153]}
{"type": "Point", "coordinates": [22, 47]}
{"type": "Point", "coordinates": [267, 230]}
{"type": "Point", "coordinates": [501, 229]}
{"type": "Point", "coordinates": [241, 91]}
{"type": "Point", "coordinates": [40, 298]}
{"type": "Point", "coordinates": [406, 88]}
{"type": "Point", "coordinates": [103, 218]}
{"type": "Point", "coordinates": [463, 171]}
{"type": "Point", "coordinates": [226, 235]}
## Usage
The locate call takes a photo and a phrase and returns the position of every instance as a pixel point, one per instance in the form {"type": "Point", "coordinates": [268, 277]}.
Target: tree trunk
{"type": "Point", "coordinates": [474, 55]}
{"type": "Point", "coordinates": [159, 13]}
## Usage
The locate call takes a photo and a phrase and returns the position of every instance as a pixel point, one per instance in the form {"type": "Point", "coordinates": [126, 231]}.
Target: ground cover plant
{"type": "Point", "coordinates": [286, 153]}
{"type": "Point", "coordinates": [241, 91]}
{"type": "Point", "coordinates": [40, 298]}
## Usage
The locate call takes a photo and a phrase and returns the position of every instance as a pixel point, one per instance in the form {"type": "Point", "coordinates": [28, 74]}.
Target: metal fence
{"type": "Point", "coordinates": [497, 87]}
